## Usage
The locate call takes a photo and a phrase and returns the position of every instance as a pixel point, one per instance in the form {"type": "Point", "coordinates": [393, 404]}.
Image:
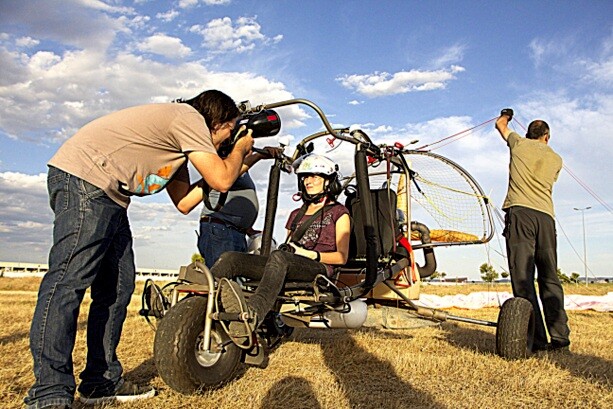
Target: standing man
{"type": "Point", "coordinates": [227, 218]}
{"type": "Point", "coordinates": [133, 152]}
{"type": "Point", "coordinates": [530, 230]}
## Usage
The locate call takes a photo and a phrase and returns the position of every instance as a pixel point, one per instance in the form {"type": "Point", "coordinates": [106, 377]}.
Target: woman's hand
{"type": "Point", "coordinates": [313, 255]}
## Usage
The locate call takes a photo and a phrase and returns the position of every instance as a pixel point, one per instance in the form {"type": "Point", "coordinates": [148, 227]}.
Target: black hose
{"type": "Point", "coordinates": [430, 260]}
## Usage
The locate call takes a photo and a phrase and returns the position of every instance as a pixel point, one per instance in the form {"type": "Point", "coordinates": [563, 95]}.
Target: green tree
{"type": "Point", "coordinates": [563, 277]}
{"type": "Point", "coordinates": [197, 257]}
{"type": "Point", "coordinates": [574, 277]}
{"type": "Point", "coordinates": [504, 274]}
{"type": "Point", "coordinates": [488, 274]}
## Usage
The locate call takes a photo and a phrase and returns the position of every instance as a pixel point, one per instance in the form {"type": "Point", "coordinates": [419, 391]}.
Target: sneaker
{"type": "Point", "coordinates": [127, 392]}
{"type": "Point", "coordinates": [233, 302]}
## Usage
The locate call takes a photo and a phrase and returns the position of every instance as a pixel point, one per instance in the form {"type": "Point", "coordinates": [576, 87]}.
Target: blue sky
{"type": "Point", "coordinates": [403, 70]}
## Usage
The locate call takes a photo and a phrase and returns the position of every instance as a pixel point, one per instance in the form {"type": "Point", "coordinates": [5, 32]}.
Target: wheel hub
{"type": "Point", "coordinates": [208, 358]}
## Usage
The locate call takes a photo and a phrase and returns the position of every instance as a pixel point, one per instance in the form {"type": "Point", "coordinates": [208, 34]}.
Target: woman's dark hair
{"type": "Point", "coordinates": [215, 106]}
{"type": "Point", "coordinates": [537, 129]}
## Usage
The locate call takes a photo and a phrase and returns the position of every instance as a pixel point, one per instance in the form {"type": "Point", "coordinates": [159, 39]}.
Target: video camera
{"type": "Point", "coordinates": [263, 123]}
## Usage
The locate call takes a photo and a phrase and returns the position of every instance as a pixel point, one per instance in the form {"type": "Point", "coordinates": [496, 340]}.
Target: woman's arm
{"type": "Point", "coordinates": [339, 257]}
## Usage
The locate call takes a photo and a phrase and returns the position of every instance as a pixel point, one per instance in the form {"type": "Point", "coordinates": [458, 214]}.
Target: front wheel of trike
{"type": "Point", "coordinates": [179, 358]}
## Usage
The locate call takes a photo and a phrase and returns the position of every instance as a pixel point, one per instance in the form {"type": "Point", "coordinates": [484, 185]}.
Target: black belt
{"type": "Point", "coordinates": [209, 219]}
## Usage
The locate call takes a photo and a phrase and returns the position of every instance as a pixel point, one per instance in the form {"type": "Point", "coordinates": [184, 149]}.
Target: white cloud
{"type": "Point", "coordinates": [12, 182]}
{"type": "Point", "coordinates": [451, 55]}
{"type": "Point", "coordinates": [87, 24]}
{"type": "Point", "coordinates": [50, 95]}
{"type": "Point", "coordinates": [162, 44]}
{"type": "Point", "coordinates": [187, 3]}
{"type": "Point", "coordinates": [222, 35]}
{"type": "Point", "coordinates": [564, 56]}
{"type": "Point", "coordinates": [102, 6]}
{"type": "Point", "coordinates": [167, 16]}
{"type": "Point", "coordinates": [599, 72]}
{"type": "Point", "coordinates": [382, 83]}
{"type": "Point", "coordinates": [25, 216]}
{"type": "Point", "coordinates": [540, 50]}
{"type": "Point", "coordinates": [26, 42]}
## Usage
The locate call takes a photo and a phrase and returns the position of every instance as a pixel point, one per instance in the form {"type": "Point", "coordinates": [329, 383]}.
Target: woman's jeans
{"type": "Point", "coordinates": [272, 271]}
{"type": "Point", "coordinates": [92, 247]}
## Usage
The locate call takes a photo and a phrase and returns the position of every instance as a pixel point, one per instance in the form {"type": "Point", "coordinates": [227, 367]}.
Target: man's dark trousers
{"type": "Point", "coordinates": [531, 243]}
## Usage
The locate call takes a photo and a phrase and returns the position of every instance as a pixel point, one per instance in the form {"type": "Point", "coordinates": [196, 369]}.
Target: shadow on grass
{"type": "Point", "coordinates": [291, 392]}
{"type": "Point", "coordinates": [143, 373]}
{"type": "Point", "coordinates": [591, 368]}
{"type": "Point", "coordinates": [472, 339]}
{"type": "Point", "coordinates": [368, 381]}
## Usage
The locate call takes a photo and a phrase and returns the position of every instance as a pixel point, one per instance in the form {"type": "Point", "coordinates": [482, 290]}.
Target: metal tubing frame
{"type": "Point", "coordinates": [441, 314]}
{"type": "Point", "coordinates": [363, 146]}
{"type": "Point", "coordinates": [210, 305]}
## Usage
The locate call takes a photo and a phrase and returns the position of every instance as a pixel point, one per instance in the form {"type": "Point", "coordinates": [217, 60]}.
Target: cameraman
{"type": "Point", "coordinates": [132, 152]}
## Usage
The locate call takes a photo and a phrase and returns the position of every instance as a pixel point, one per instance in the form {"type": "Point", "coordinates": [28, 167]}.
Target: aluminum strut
{"type": "Point", "coordinates": [433, 313]}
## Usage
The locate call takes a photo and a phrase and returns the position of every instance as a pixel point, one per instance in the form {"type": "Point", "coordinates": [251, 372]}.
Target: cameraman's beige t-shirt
{"type": "Point", "coordinates": [135, 151]}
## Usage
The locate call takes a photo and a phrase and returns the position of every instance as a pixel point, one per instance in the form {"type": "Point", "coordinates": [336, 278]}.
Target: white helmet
{"type": "Point", "coordinates": [316, 164]}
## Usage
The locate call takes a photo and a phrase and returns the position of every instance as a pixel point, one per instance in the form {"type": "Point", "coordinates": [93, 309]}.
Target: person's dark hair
{"type": "Point", "coordinates": [537, 129]}
{"type": "Point", "coordinates": [215, 106]}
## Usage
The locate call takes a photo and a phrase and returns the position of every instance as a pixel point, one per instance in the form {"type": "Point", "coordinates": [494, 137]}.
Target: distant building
{"type": "Point", "coordinates": [447, 280]}
{"type": "Point", "coordinates": [18, 269]}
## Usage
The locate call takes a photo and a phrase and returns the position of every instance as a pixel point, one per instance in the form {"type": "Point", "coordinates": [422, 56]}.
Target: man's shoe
{"type": "Point", "coordinates": [553, 346]}
{"type": "Point", "coordinates": [233, 302]}
{"type": "Point", "coordinates": [559, 346]}
{"type": "Point", "coordinates": [127, 392]}
{"type": "Point", "coordinates": [540, 347]}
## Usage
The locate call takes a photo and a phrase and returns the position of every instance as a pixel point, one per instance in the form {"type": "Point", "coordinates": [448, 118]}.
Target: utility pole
{"type": "Point", "coordinates": [582, 210]}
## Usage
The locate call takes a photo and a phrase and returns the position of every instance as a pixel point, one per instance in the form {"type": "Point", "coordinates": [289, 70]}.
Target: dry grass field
{"type": "Point", "coordinates": [451, 365]}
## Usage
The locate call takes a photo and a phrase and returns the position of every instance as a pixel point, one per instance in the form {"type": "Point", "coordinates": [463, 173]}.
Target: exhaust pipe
{"type": "Point", "coordinates": [430, 260]}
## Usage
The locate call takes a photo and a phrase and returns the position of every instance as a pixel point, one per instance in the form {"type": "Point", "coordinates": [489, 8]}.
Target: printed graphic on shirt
{"type": "Point", "coordinates": [311, 236]}
{"type": "Point", "coordinates": [154, 182]}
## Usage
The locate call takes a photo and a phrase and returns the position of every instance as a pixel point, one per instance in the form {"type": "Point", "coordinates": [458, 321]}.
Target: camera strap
{"type": "Point", "coordinates": [220, 202]}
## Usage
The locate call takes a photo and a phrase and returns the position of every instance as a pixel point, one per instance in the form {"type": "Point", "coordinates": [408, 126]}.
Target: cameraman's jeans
{"type": "Point", "coordinates": [92, 247]}
{"type": "Point", "coordinates": [272, 271]}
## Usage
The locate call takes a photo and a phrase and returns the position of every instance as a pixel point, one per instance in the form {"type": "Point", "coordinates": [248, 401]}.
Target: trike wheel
{"type": "Point", "coordinates": [515, 332]}
{"type": "Point", "coordinates": [179, 359]}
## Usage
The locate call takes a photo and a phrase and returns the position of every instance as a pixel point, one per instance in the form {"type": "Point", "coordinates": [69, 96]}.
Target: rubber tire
{"type": "Point", "coordinates": [175, 344]}
{"type": "Point", "coordinates": [515, 331]}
